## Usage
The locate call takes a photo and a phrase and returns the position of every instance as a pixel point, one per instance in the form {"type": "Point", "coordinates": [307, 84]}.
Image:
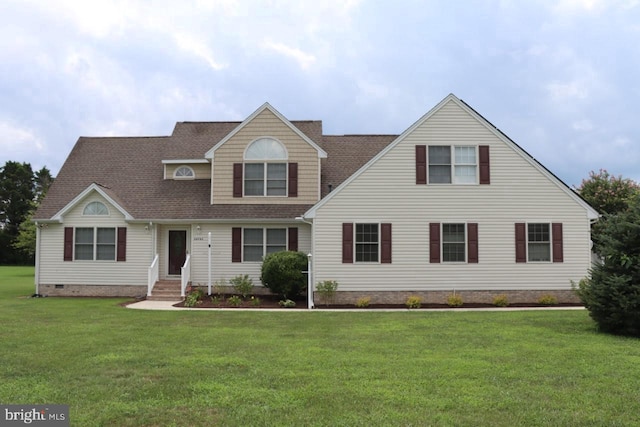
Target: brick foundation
{"type": "Point", "coordinates": [440, 297]}
{"type": "Point", "coordinates": [92, 290]}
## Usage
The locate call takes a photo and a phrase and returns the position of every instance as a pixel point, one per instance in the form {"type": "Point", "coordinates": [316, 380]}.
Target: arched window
{"type": "Point", "coordinates": [184, 172]}
{"type": "Point", "coordinates": [265, 168]}
{"type": "Point", "coordinates": [95, 208]}
{"type": "Point", "coordinates": [265, 149]}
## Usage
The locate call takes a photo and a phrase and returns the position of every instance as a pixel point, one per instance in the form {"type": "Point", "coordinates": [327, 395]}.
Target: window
{"type": "Point", "coordinates": [367, 242]}
{"type": "Point", "coordinates": [95, 208]}
{"type": "Point", "coordinates": [453, 243]}
{"type": "Point", "coordinates": [538, 242]}
{"type": "Point", "coordinates": [452, 164]}
{"type": "Point", "coordinates": [264, 172]}
{"type": "Point", "coordinates": [184, 172]}
{"type": "Point", "coordinates": [95, 244]}
{"type": "Point", "coordinates": [262, 179]}
{"type": "Point", "coordinates": [259, 242]}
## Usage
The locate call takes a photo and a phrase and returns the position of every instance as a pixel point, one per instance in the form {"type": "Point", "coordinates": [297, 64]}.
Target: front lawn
{"type": "Point", "coordinates": [116, 366]}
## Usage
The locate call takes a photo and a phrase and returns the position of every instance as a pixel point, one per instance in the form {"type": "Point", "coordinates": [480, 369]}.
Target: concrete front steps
{"type": "Point", "coordinates": [166, 290]}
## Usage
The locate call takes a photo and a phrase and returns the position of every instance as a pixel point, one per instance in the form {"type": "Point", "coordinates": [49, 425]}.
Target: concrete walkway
{"type": "Point", "coordinates": [168, 305]}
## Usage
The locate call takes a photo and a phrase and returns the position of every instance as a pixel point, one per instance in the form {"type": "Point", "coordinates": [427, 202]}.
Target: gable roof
{"type": "Point", "coordinates": [266, 106]}
{"type": "Point", "coordinates": [129, 171]}
{"type": "Point", "coordinates": [104, 192]}
{"type": "Point", "coordinates": [591, 212]}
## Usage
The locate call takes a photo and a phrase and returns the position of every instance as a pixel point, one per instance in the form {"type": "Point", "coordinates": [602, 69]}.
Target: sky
{"type": "Point", "coordinates": [561, 78]}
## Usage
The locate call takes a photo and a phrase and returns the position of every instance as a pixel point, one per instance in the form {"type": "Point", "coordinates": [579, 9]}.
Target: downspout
{"type": "Point", "coordinates": [209, 258]}
{"type": "Point", "coordinates": [36, 277]}
{"type": "Point", "coordinates": [310, 275]}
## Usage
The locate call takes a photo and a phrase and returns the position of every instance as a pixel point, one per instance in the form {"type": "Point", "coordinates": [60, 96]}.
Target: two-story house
{"type": "Point", "coordinates": [451, 204]}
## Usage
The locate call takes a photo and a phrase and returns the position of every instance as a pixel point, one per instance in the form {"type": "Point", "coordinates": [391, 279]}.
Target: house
{"type": "Point", "coordinates": [450, 205]}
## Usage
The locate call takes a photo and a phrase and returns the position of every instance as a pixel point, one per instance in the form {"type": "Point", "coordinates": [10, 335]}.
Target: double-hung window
{"type": "Point", "coordinates": [95, 244]}
{"type": "Point", "coordinates": [367, 243]}
{"type": "Point", "coordinates": [538, 242]}
{"type": "Point", "coordinates": [452, 164]}
{"type": "Point", "coordinates": [453, 243]}
{"type": "Point", "coordinates": [265, 179]}
{"type": "Point", "coordinates": [259, 242]}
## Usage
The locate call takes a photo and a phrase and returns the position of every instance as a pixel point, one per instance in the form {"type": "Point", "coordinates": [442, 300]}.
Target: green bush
{"type": "Point", "coordinates": [242, 285]}
{"type": "Point", "coordinates": [255, 301]}
{"type": "Point", "coordinates": [413, 302]}
{"type": "Point", "coordinates": [500, 300]}
{"type": "Point", "coordinates": [234, 301]}
{"type": "Point", "coordinates": [363, 302]}
{"type": "Point", "coordinates": [612, 293]}
{"type": "Point", "coordinates": [194, 297]}
{"type": "Point", "coordinates": [327, 290]}
{"type": "Point", "coordinates": [282, 273]}
{"type": "Point", "coordinates": [547, 299]}
{"type": "Point", "coordinates": [454, 300]}
{"type": "Point", "coordinates": [287, 303]}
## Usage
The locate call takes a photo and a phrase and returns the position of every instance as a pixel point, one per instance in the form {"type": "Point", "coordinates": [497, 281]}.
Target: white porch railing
{"type": "Point", "coordinates": [153, 274]}
{"type": "Point", "coordinates": [185, 275]}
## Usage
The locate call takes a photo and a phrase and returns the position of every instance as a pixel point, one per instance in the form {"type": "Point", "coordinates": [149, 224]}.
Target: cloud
{"type": "Point", "coordinates": [305, 60]}
{"type": "Point", "coordinates": [19, 140]}
{"type": "Point", "coordinates": [191, 44]}
{"type": "Point", "coordinates": [583, 125]}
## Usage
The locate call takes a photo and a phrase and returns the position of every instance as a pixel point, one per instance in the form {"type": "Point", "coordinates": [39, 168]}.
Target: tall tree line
{"type": "Point", "coordinates": [21, 190]}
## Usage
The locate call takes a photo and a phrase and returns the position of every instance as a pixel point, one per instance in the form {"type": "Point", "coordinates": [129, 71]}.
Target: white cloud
{"type": "Point", "coordinates": [305, 60]}
{"type": "Point", "coordinates": [197, 47]}
{"type": "Point", "coordinates": [20, 140]}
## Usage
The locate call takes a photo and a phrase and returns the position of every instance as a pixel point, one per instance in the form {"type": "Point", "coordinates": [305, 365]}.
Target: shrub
{"type": "Point", "coordinates": [282, 273]}
{"type": "Point", "coordinates": [234, 301]}
{"type": "Point", "coordinates": [194, 297]}
{"type": "Point", "coordinates": [363, 302]}
{"type": "Point", "coordinates": [612, 293]}
{"type": "Point", "coordinates": [255, 301]}
{"type": "Point", "coordinates": [327, 290]}
{"type": "Point", "coordinates": [287, 303]}
{"type": "Point", "coordinates": [413, 302]}
{"type": "Point", "coordinates": [219, 286]}
{"type": "Point", "coordinates": [547, 299]}
{"type": "Point", "coordinates": [242, 285]}
{"type": "Point", "coordinates": [454, 300]}
{"type": "Point", "coordinates": [500, 301]}
{"type": "Point", "coordinates": [215, 300]}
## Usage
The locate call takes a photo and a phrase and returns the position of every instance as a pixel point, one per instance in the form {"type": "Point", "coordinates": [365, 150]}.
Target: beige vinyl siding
{"type": "Point", "coordinates": [222, 267]}
{"type": "Point", "coordinates": [387, 192]}
{"type": "Point", "coordinates": [266, 124]}
{"type": "Point", "coordinates": [201, 170]}
{"type": "Point", "coordinates": [53, 270]}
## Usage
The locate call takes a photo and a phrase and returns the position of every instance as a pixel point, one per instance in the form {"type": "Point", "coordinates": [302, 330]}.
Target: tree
{"type": "Point", "coordinates": [42, 181]}
{"type": "Point", "coordinates": [25, 242]}
{"type": "Point", "coordinates": [608, 194]}
{"type": "Point", "coordinates": [612, 293]}
{"type": "Point", "coordinates": [21, 191]}
{"type": "Point", "coordinates": [283, 273]}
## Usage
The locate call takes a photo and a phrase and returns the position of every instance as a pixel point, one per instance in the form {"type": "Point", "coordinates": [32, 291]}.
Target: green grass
{"type": "Point", "coordinates": [116, 366]}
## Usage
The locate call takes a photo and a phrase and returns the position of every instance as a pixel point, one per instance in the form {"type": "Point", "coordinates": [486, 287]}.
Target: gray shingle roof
{"type": "Point", "coordinates": [131, 172]}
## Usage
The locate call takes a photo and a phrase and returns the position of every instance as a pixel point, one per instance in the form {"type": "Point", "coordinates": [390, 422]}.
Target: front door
{"type": "Point", "coordinates": [177, 251]}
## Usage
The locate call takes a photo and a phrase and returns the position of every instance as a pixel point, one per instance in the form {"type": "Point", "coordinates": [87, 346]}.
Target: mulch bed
{"type": "Point", "coordinates": [272, 301]}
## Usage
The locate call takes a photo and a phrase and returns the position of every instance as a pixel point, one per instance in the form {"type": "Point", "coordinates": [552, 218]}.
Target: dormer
{"type": "Point", "coordinates": [265, 160]}
{"type": "Point", "coordinates": [186, 169]}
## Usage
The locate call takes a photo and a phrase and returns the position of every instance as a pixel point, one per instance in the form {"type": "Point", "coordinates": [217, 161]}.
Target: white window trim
{"type": "Point", "coordinates": [95, 245]}
{"type": "Point", "coordinates": [95, 215]}
{"type": "Point", "coordinates": [453, 165]}
{"type": "Point", "coordinates": [264, 241]}
{"type": "Point", "coordinates": [186, 178]}
{"type": "Point", "coordinates": [466, 242]}
{"type": "Point", "coordinates": [281, 159]}
{"type": "Point", "coordinates": [264, 178]}
{"type": "Point", "coordinates": [550, 242]}
{"type": "Point", "coordinates": [355, 243]}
